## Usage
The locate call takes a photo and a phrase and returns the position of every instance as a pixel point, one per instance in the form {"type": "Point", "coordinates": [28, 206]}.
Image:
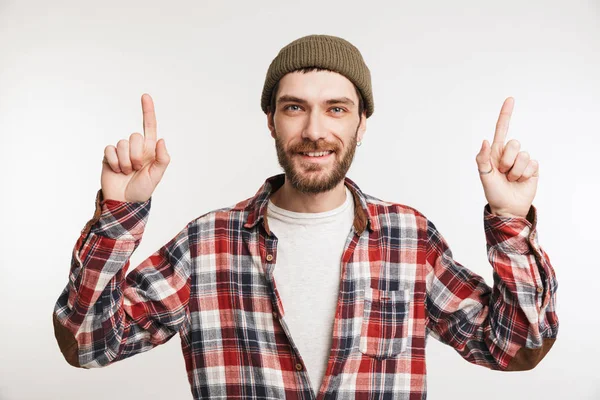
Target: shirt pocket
{"type": "Point", "coordinates": [384, 329]}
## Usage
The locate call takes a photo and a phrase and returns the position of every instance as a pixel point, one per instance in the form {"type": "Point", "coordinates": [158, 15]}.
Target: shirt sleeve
{"type": "Point", "coordinates": [510, 326]}
{"type": "Point", "coordinates": [104, 314]}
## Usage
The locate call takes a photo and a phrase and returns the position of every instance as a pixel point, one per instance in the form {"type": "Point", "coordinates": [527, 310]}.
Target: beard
{"type": "Point", "coordinates": [308, 177]}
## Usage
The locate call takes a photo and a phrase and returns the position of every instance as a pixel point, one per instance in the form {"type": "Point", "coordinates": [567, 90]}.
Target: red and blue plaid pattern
{"type": "Point", "coordinates": [213, 284]}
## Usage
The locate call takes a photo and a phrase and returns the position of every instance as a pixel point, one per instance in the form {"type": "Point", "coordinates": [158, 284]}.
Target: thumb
{"type": "Point", "coordinates": [162, 159]}
{"type": "Point", "coordinates": [483, 158]}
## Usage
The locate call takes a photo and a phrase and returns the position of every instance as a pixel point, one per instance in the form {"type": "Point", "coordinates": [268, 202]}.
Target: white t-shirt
{"type": "Point", "coordinates": [307, 275]}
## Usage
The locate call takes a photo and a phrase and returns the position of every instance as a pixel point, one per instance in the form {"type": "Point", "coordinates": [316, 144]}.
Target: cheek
{"type": "Point", "coordinates": [287, 138]}
{"type": "Point", "coordinates": [288, 134]}
{"type": "Point", "coordinates": [285, 123]}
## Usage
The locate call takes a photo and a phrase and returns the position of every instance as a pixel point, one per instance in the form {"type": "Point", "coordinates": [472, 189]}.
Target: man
{"type": "Point", "coordinates": [311, 288]}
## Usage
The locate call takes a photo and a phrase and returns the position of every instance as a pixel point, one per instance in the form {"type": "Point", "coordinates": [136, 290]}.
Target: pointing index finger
{"type": "Point", "coordinates": [149, 117]}
{"type": "Point", "coordinates": [503, 121]}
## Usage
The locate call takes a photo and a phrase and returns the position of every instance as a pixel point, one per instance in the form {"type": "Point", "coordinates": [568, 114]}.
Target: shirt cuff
{"type": "Point", "coordinates": [512, 234]}
{"type": "Point", "coordinates": [116, 219]}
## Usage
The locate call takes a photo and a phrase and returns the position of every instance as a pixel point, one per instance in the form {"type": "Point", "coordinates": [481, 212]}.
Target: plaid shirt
{"type": "Point", "coordinates": [213, 284]}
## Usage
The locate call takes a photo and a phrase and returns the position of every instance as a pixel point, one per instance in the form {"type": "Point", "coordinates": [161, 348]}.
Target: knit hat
{"type": "Point", "coordinates": [323, 51]}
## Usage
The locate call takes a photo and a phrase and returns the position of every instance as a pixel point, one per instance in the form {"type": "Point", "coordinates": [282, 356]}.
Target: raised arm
{"type": "Point", "coordinates": [510, 326]}
{"type": "Point", "coordinates": [104, 315]}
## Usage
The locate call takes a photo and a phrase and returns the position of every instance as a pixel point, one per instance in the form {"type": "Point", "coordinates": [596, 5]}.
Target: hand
{"type": "Point", "coordinates": [132, 170]}
{"type": "Point", "coordinates": [512, 182]}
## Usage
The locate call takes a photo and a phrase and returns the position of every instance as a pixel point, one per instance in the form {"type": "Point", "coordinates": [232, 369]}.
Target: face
{"type": "Point", "coordinates": [316, 126]}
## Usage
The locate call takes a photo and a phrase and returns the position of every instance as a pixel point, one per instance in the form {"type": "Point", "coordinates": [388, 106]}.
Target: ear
{"type": "Point", "coordinates": [271, 123]}
{"type": "Point", "coordinates": [362, 128]}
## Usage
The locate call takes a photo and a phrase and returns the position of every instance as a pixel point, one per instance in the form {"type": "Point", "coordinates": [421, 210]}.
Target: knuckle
{"type": "Point", "coordinates": [136, 164]}
{"type": "Point", "coordinates": [122, 143]}
{"type": "Point", "coordinates": [135, 160]}
{"type": "Point", "coordinates": [124, 161]}
{"type": "Point", "coordinates": [135, 151]}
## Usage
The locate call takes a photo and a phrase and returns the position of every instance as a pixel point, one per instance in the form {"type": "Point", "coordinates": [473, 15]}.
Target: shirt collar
{"type": "Point", "coordinates": [257, 205]}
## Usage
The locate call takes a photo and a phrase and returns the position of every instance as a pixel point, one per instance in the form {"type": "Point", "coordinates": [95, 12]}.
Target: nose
{"type": "Point", "coordinates": [315, 128]}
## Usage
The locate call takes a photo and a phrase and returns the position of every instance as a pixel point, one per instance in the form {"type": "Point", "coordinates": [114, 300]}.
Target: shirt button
{"type": "Point", "coordinates": [540, 289]}
{"type": "Point", "coordinates": [299, 367]}
{"type": "Point", "coordinates": [269, 257]}
{"type": "Point", "coordinates": [274, 314]}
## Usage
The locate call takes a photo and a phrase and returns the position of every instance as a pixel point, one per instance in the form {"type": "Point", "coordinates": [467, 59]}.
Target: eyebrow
{"type": "Point", "coordinates": [339, 100]}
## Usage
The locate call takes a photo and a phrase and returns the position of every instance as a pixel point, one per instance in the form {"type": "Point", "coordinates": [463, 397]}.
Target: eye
{"type": "Point", "coordinates": [338, 108]}
{"type": "Point", "coordinates": [291, 105]}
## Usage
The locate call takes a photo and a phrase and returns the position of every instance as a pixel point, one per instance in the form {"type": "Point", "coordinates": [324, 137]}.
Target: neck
{"type": "Point", "coordinates": [291, 199]}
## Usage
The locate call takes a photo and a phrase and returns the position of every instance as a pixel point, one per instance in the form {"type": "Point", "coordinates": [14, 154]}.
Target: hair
{"type": "Point", "coordinates": [361, 100]}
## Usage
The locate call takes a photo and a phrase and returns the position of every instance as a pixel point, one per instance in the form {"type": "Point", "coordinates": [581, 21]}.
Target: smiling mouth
{"type": "Point", "coordinates": [317, 154]}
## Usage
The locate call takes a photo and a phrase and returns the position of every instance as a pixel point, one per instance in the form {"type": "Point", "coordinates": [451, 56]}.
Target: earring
{"type": "Point", "coordinates": [359, 143]}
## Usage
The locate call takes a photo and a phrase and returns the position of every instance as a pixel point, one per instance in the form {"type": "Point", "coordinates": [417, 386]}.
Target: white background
{"type": "Point", "coordinates": [71, 78]}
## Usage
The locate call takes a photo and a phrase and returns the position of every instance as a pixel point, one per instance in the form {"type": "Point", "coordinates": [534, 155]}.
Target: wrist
{"type": "Point", "coordinates": [501, 213]}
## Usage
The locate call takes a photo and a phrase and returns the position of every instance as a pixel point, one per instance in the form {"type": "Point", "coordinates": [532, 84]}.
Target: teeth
{"type": "Point", "coordinates": [320, 154]}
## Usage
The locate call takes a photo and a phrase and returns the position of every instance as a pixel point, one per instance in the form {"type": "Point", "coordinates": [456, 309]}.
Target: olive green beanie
{"type": "Point", "coordinates": [323, 51]}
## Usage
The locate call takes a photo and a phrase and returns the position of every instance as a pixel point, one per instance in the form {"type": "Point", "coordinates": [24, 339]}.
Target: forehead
{"type": "Point", "coordinates": [316, 85]}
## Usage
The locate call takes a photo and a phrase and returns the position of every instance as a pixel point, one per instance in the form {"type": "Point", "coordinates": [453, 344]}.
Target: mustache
{"type": "Point", "coordinates": [307, 147]}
